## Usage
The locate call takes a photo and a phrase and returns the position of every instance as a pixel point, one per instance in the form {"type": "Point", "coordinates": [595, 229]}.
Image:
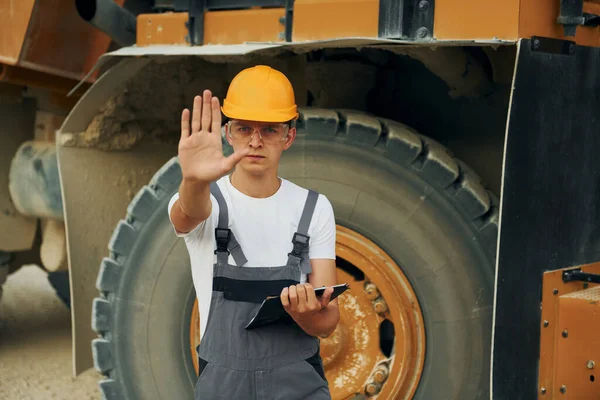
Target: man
{"type": "Point", "coordinates": [253, 228]}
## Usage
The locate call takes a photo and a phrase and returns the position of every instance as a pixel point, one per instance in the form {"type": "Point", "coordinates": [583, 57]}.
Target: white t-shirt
{"type": "Point", "coordinates": [264, 229]}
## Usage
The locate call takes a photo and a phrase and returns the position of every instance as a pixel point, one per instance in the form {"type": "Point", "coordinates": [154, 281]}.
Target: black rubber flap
{"type": "Point", "coordinates": [550, 216]}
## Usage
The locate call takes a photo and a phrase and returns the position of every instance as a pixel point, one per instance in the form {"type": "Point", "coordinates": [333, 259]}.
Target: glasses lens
{"type": "Point", "coordinates": [269, 133]}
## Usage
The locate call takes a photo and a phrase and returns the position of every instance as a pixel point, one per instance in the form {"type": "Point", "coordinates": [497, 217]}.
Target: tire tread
{"type": "Point", "coordinates": [139, 211]}
{"type": "Point", "coordinates": [429, 159]}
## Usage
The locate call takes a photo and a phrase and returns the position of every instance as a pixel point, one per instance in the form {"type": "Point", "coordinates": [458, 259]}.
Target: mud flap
{"type": "Point", "coordinates": [550, 202]}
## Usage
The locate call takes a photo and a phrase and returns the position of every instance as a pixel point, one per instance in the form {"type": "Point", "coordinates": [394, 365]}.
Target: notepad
{"type": "Point", "coordinates": [271, 310]}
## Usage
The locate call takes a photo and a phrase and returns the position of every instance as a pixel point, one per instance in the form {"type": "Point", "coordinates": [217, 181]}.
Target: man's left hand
{"type": "Point", "coordinates": [300, 300]}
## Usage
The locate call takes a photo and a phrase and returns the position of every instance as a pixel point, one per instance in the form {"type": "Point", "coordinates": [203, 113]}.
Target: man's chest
{"type": "Point", "coordinates": [264, 235]}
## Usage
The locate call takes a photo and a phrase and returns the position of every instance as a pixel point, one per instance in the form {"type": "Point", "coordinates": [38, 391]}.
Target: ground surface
{"type": "Point", "coordinates": [35, 343]}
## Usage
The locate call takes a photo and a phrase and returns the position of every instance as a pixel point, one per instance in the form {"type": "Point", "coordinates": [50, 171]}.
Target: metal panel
{"type": "Point", "coordinates": [237, 4]}
{"type": "Point", "coordinates": [14, 20]}
{"type": "Point", "coordinates": [554, 289]}
{"type": "Point", "coordinates": [97, 186]}
{"type": "Point", "coordinates": [550, 216]}
{"type": "Point", "coordinates": [578, 348]}
{"type": "Point", "coordinates": [60, 42]}
{"type": "Point", "coordinates": [167, 28]}
{"type": "Point", "coordinates": [539, 18]}
{"type": "Point", "coordinates": [406, 19]}
{"type": "Point", "coordinates": [467, 19]}
{"type": "Point", "coordinates": [239, 26]}
{"type": "Point", "coordinates": [92, 202]}
{"type": "Point", "coordinates": [327, 19]}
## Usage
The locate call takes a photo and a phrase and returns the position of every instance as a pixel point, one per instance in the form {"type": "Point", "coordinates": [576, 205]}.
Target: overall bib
{"type": "Point", "coordinates": [275, 362]}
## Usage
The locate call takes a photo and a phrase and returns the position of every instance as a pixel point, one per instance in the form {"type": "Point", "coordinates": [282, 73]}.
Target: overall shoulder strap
{"type": "Point", "coordinates": [299, 255]}
{"type": "Point", "coordinates": [226, 241]}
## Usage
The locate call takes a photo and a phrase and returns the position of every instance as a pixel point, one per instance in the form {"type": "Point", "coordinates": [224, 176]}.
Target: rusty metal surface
{"type": "Point", "coordinates": [17, 118]}
{"type": "Point", "coordinates": [240, 26]}
{"type": "Point", "coordinates": [403, 310]}
{"type": "Point", "coordinates": [167, 28]}
{"type": "Point", "coordinates": [553, 292]}
{"type": "Point", "coordinates": [352, 351]}
{"type": "Point", "coordinates": [14, 20]}
{"type": "Point", "coordinates": [195, 334]}
{"type": "Point", "coordinates": [313, 19]}
{"type": "Point", "coordinates": [22, 76]}
{"type": "Point", "coordinates": [578, 347]}
{"type": "Point", "coordinates": [61, 43]}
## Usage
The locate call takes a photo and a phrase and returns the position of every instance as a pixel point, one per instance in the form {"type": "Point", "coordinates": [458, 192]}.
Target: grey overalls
{"type": "Point", "coordinates": [275, 362]}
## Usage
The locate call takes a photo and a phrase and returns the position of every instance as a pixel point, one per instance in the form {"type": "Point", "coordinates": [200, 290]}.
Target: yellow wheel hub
{"type": "Point", "coordinates": [378, 347]}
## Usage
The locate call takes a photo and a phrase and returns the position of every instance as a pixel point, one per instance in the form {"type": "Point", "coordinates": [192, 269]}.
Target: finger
{"type": "Point", "coordinates": [301, 290]}
{"type": "Point", "coordinates": [197, 111]}
{"type": "Point", "coordinates": [206, 111]}
{"type": "Point", "coordinates": [293, 298]}
{"type": "Point", "coordinates": [326, 298]}
{"type": "Point", "coordinates": [232, 160]}
{"type": "Point", "coordinates": [285, 300]}
{"type": "Point", "coordinates": [312, 297]}
{"type": "Point", "coordinates": [216, 116]}
{"type": "Point", "coordinates": [185, 123]}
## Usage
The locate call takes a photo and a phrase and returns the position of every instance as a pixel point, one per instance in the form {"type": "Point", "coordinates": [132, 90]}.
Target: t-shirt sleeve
{"type": "Point", "coordinates": [195, 231]}
{"type": "Point", "coordinates": [322, 239]}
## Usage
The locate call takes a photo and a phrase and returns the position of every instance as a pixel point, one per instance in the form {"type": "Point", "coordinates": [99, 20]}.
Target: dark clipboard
{"type": "Point", "coordinates": [271, 310]}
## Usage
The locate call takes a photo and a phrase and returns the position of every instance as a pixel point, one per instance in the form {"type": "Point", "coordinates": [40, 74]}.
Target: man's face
{"type": "Point", "coordinates": [266, 141]}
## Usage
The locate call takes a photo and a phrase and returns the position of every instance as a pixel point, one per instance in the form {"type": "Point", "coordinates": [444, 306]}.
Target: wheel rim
{"type": "Point", "coordinates": [378, 347]}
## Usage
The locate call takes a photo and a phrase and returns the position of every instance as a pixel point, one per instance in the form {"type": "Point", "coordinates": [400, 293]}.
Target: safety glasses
{"type": "Point", "coordinates": [269, 133]}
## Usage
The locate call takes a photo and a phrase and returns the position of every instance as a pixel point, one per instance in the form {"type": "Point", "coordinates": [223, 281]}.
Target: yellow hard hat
{"type": "Point", "coordinates": [260, 93]}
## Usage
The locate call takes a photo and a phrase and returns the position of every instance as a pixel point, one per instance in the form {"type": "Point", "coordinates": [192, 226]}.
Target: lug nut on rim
{"type": "Point", "coordinates": [380, 306]}
{"type": "Point", "coordinates": [372, 388]}
{"type": "Point", "coordinates": [381, 373]}
{"type": "Point", "coordinates": [371, 291]}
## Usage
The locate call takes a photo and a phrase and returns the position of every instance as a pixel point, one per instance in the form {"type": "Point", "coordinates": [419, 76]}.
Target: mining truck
{"type": "Point", "coordinates": [456, 140]}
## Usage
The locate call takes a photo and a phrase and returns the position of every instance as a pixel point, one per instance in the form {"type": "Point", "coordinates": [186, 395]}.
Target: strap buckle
{"type": "Point", "coordinates": [300, 242]}
{"type": "Point", "coordinates": [222, 237]}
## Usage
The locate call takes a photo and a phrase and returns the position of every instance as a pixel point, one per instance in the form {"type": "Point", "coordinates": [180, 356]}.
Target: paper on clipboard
{"type": "Point", "coordinates": [271, 310]}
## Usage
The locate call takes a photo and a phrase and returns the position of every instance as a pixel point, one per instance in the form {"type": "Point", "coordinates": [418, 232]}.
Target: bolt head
{"type": "Point", "coordinates": [380, 306]}
{"type": "Point", "coordinates": [563, 389]}
{"type": "Point", "coordinates": [371, 291]}
{"type": "Point", "coordinates": [372, 388]}
{"type": "Point", "coordinates": [565, 333]}
{"type": "Point", "coordinates": [555, 291]}
{"type": "Point", "coordinates": [422, 32]}
{"type": "Point", "coordinates": [381, 374]}
{"type": "Point", "coordinates": [423, 5]}
{"type": "Point", "coordinates": [546, 323]}
{"type": "Point", "coordinates": [591, 364]}
{"type": "Point", "coordinates": [543, 390]}
{"type": "Point", "coordinates": [536, 45]}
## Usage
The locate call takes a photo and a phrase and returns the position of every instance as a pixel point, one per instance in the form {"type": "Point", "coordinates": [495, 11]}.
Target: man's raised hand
{"type": "Point", "coordinates": [200, 148]}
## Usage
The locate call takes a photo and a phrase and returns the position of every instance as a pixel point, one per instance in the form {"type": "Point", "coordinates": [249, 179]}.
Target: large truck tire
{"type": "Point", "coordinates": [402, 191]}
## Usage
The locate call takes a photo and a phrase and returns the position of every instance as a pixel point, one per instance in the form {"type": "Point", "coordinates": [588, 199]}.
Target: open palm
{"type": "Point", "coordinates": [200, 148]}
